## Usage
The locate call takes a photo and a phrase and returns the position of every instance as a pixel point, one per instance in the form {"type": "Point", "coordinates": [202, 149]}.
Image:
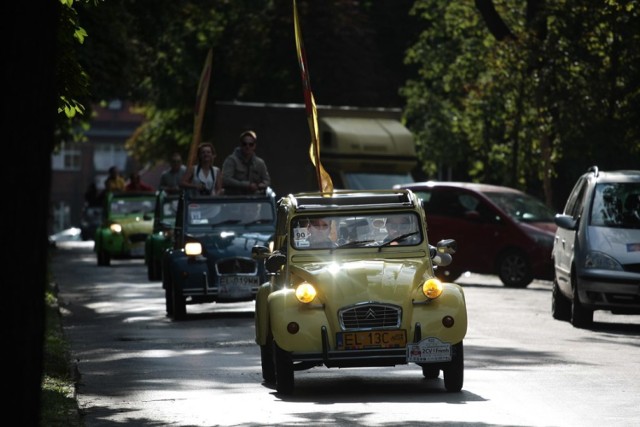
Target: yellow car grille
{"type": "Point", "coordinates": [370, 316]}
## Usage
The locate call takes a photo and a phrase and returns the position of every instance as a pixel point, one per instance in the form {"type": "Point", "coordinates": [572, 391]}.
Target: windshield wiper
{"type": "Point", "coordinates": [258, 221]}
{"type": "Point", "coordinates": [355, 243]}
{"type": "Point", "coordinates": [225, 222]}
{"type": "Point", "coordinates": [397, 239]}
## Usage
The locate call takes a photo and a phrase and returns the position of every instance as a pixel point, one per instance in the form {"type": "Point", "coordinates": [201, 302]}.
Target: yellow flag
{"type": "Point", "coordinates": [201, 103]}
{"type": "Point", "coordinates": [324, 180]}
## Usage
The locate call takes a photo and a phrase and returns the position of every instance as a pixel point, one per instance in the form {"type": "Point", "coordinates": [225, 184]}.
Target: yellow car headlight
{"type": "Point", "coordinates": [432, 288]}
{"type": "Point", "coordinates": [193, 248]}
{"type": "Point", "coordinates": [305, 292]}
{"type": "Point", "coordinates": [116, 228]}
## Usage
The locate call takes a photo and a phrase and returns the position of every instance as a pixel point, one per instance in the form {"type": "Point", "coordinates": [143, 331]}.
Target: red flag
{"type": "Point", "coordinates": [201, 102]}
{"type": "Point", "coordinates": [324, 180]}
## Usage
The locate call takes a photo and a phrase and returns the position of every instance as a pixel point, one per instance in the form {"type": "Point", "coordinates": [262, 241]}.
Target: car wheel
{"type": "Point", "coordinates": [154, 270]}
{"type": "Point", "coordinates": [514, 270]}
{"type": "Point", "coordinates": [150, 270]}
{"type": "Point", "coordinates": [284, 371]}
{"type": "Point", "coordinates": [581, 317]}
{"type": "Point", "coordinates": [168, 298]}
{"type": "Point", "coordinates": [454, 371]}
{"type": "Point", "coordinates": [104, 260]}
{"type": "Point", "coordinates": [157, 270]}
{"type": "Point", "coordinates": [430, 372]}
{"type": "Point", "coordinates": [179, 303]}
{"type": "Point", "coordinates": [268, 365]}
{"type": "Point", "coordinates": [560, 305]}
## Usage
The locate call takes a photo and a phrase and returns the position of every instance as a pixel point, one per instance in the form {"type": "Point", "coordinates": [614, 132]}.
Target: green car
{"type": "Point", "coordinates": [160, 239]}
{"type": "Point", "coordinates": [127, 220]}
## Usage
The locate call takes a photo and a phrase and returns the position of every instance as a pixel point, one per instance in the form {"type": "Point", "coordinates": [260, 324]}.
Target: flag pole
{"type": "Point", "coordinates": [200, 105]}
{"type": "Point", "coordinates": [324, 180]}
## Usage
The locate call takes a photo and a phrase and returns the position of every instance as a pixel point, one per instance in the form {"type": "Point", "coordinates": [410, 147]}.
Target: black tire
{"type": "Point", "coordinates": [560, 305]}
{"type": "Point", "coordinates": [430, 372]}
{"type": "Point", "coordinates": [104, 260]}
{"type": "Point", "coordinates": [168, 299]}
{"type": "Point", "coordinates": [154, 270]}
{"type": "Point", "coordinates": [150, 270]}
{"type": "Point", "coordinates": [179, 303]}
{"type": "Point", "coordinates": [514, 270]}
{"type": "Point", "coordinates": [168, 294]}
{"type": "Point", "coordinates": [284, 371]}
{"type": "Point", "coordinates": [267, 362]}
{"type": "Point", "coordinates": [454, 371]}
{"type": "Point", "coordinates": [581, 317]}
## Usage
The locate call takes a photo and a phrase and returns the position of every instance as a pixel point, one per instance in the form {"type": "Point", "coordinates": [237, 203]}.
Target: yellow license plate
{"type": "Point", "coordinates": [371, 339]}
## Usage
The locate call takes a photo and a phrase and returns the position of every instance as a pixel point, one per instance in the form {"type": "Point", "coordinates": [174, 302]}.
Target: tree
{"type": "Point", "coordinates": [28, 115]}
{"type": "Point", "coordinates": [152, 51]}
{"type": "Point", "coordinates": [525, 95]}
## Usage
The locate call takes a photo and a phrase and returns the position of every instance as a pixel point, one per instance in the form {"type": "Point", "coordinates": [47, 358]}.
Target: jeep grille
{"type": "Point", "coordinates": [237, 266]}
{"type": "Point", "coordinates": [370, 316]}
{"type": "Point", "coordinates": [137, 237]}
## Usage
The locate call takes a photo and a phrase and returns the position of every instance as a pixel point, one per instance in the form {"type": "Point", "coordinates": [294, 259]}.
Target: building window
{"type": "Point", "coordinates": [107, 155]}
{"type": "Point", "coordinates": [67, 158]}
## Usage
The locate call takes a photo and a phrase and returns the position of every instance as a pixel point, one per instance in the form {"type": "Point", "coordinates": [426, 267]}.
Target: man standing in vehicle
{"type": "Point", "coordinates": [242, 171]}
{"type": "Point", "coordinates": [170, 178]}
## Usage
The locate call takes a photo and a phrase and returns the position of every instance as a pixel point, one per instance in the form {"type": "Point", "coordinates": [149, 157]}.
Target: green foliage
{"type": "Point", "coordinates": [559, 96]}
{"type": "Point", "coordinates": [72, 81]}
{"type": "Point", "coordinates": [151, 52]}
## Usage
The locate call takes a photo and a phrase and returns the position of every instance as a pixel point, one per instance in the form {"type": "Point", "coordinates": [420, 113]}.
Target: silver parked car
{"type": "Point", "coordinates": [596, 251]}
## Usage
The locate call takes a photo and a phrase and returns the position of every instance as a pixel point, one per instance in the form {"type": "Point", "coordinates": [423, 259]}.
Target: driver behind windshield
{"type": "Point", "coordinates": [396, 226]}
{"type": "Point", "coordinates": [313, 233]}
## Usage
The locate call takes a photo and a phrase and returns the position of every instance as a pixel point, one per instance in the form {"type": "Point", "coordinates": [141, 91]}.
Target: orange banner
{"type": "Point", "coordinates": [324, 180]}
{"type": "Point", "coordinates": [201, 103]}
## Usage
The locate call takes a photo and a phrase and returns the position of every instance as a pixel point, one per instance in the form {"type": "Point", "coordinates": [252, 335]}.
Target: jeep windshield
{"type": "Point", "coordinates": [355, 230]}
{"type": "Point", "coordinates": [233, 212]}
{"type": "Point", "coordinates": [132, 206]}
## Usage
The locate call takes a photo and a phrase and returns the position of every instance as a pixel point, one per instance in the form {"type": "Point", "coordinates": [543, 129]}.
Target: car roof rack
{"type": "Point", "coordinates": [349, 199]}
{"type": "Point", "coordinates": [593, 169]}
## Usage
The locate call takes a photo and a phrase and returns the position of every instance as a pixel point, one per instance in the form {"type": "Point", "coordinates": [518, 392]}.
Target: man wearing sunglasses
{"type": "Point", "coordinates": [242, 171]}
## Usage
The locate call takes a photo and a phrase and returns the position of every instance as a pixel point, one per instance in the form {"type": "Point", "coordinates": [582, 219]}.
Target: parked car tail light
{"type": "Point", "coordinates": [193, 248]}
{"type": "Point", "coordinates": [432, 288]}
{"type": "Point", "coordinates": [116, 228]}
{"type": "Point", "coordinates": [305, 292]}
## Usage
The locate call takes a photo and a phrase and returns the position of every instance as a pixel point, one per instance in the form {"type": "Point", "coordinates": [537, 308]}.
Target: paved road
{"type": "Point", "coordinates": [138, 368]}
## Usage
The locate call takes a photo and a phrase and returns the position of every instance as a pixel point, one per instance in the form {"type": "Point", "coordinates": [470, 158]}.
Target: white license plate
{"type": "Point", "coordinates": [429, 350]}
{"type": "Point", "coordinates": [237, 286]}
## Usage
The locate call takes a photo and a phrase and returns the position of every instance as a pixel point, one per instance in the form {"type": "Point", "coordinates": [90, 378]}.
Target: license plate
{"type": "Point", "coordinates": [371, 339]}
{"type": "Point", "coordinates": [429, 350]}
{"type": "Point", "coordinates": [237, 286]}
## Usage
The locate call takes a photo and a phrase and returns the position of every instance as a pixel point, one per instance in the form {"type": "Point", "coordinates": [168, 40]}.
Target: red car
{"type": "Point", "coordinates": [499, 230]}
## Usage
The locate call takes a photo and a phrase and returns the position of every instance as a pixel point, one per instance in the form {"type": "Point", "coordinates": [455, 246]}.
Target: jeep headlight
{"type": "Point", "coordinates": [115, 228]}
{"type": "Point", "coordinates": [192, 248]}
{"type": "Point", "coordinates": [432, 288]}
{"type": "Point", "coordinates": [305, 292]}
